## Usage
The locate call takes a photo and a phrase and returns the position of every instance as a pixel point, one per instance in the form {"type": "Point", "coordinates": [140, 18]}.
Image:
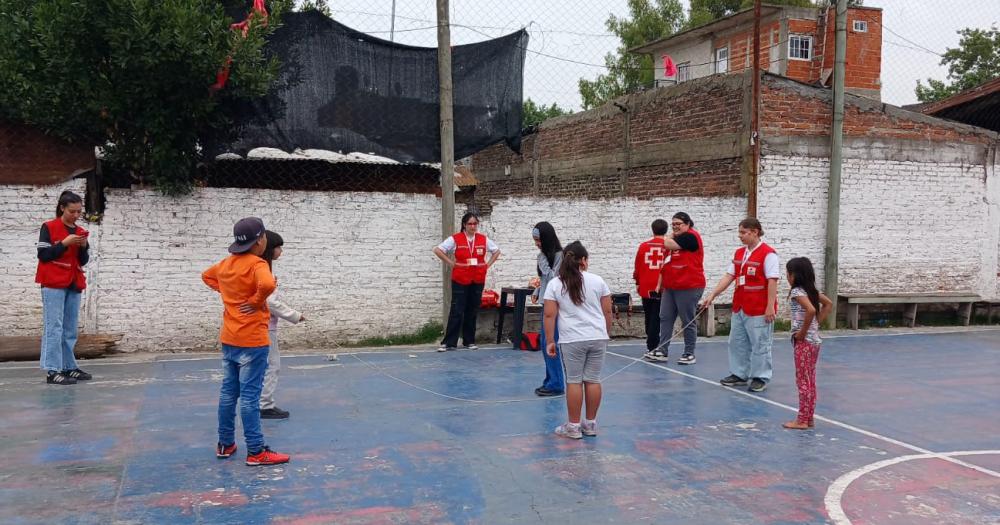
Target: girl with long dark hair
{"type": "Point", "coordinates": [62, 252]}
{"type": "Point", "coordinates": [279, 310]}
{"type": "Point", "coordinates": [549, 260]}
{"type": "Point", "coordinates": [809, 309]}
{"type": "Point", "coordinates": [581, 303]}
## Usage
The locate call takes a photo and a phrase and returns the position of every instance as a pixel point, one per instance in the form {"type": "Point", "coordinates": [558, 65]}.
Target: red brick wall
{"type": "Point", "coordinates": [802, 111]}
{"type": "Point", "coordinates": [703, 109]}
{"type": "Point", "coordinates": [741, 44]}
{"type": "Point", "coordinates": [864, 50]}
{"type": "Point", "coordinates": [28, 156]}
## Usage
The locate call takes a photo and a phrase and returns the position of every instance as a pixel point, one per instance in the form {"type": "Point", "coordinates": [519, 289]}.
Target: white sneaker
{"type": "Point", "coordinates": [588, 430]}
{"type": "Point", "coordinates": [566, 431]}
{"type": "Point", "coordinates": [472, 347]}
{"type": "Point", "coordinates": [657, 356]}
{"type": "Point", "coordinates": [444, 348]}
{"type": "Point", "coordinates": [687, 359]}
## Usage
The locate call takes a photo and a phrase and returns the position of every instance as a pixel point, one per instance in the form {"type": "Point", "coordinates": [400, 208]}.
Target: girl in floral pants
{"type": "Point", "coordinates": [809, 308]}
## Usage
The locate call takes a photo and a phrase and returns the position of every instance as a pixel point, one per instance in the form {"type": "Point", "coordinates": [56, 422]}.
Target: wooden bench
{"type": "Point", "coordinates": [964, 300]}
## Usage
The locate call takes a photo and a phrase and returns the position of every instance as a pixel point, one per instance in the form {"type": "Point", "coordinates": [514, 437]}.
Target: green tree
{"type": "Point", "coordinates": [976, 60]}
{"type": "Point", "coordinates": [133, 77]}
{"type": "Point", "coordinates": [534, 114]}
{"type": "Point", "coordinates": [648, 20]}
{"type": "Point", "coordinates": [705, 11]}
{"type": "Point", "coordinates": [316, 5]}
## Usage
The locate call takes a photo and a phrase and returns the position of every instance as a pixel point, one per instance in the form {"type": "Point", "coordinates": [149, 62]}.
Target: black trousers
{"type": "Point", "coordinates": [465, 300]}
{"type": "Point", "coordinates": [651, 307]}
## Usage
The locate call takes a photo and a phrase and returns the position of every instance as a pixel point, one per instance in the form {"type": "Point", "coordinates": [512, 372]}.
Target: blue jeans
{"type": "Point", "coordinates": [243, 376]}
{"type": "Point", "coordinates": [553, 365]}
{"type": "Point", "coordinates": [750, 347]}
{"type": "Point", "coordinates": [60, 314]}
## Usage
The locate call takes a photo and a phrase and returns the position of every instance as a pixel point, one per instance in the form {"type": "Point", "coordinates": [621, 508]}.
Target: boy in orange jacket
{"type": "Point", "coordinates": [245, 281]}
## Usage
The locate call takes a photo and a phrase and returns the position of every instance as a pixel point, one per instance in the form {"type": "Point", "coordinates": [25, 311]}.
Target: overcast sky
{"type": "Point", "coordinates": [569, 39]}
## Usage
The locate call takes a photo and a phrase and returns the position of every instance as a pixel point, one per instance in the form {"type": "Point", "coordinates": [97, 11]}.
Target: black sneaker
{"type": "Point", "coordinates": [757, 385]}
{"type": "Point", "coordinates": [733, 380]}
{"type": "Point", "coordinates": [545, 392]}
{"type": "Point", "coordinates": [59, 378]}
{"type": "Point", "coordinates": [78, 374]}
{"type": "Point", "coordinates": [687, 359]}
{"type": "Point", "coordinates": [274, 413]}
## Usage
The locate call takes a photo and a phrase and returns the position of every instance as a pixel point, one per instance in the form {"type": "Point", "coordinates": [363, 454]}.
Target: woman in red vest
{"type": "Point", "coordinates": [755, 269]}
{"type": "Point", "coordinates": [62, 252]}
{"type": "Point", "coordinates": [466, 253]}
{"type": "Point", "coordinates": [681, 283]}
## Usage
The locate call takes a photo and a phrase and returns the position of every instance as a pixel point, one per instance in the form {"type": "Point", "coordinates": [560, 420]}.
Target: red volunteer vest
{"type": "Point", "coordinates": [648, 261]}
{"type": "Point", "coordinates": [751, 297]}
{"type": "Point", "coordinates": [685, 270]}
{"type": "Point", "coordinates": [465, 253]}
{"type": "Point", "coordinates": [65, 270]}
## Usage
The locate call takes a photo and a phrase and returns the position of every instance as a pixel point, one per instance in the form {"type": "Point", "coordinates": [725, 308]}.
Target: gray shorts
{"type": "Point", "coordinates": [583, 360]}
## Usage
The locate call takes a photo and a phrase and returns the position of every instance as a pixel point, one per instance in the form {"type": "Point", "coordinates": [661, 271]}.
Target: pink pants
{"type": "Point", "coordinates": [806, 355]}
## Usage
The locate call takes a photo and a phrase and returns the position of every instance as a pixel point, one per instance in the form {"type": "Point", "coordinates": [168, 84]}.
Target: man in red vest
{"type": "Point", "coordinates": [646, 273]}
{"type": "Point", "coordinates": [755, 268]}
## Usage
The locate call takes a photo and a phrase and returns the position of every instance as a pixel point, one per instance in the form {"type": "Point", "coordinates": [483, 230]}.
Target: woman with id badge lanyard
{"type": "Point", "coordinates": [470, 255]}
{"type": "Point", "coordinates": [755, 269]}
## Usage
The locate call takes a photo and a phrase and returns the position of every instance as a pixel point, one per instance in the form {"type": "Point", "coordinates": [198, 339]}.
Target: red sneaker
{"type": "Point", "coordinates": [224, 451]}
{"type": "Point", "coordinates": [267, 457]}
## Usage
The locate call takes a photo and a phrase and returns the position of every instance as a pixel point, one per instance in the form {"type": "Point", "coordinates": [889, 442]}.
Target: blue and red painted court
{"type": "Point", "coordinates": [907, 432]}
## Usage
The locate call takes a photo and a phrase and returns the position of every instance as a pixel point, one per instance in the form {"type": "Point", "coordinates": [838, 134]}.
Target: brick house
{"type": "Point", "coordinates": [796, 42]}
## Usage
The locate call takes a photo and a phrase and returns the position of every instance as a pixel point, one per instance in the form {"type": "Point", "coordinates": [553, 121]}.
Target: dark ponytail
{"type": "Point", "coordinates": [65, 199]}
{"type": "Point", "coordinates": [569, 271]}
{"type": "Point", "coordinates": [803, 276]}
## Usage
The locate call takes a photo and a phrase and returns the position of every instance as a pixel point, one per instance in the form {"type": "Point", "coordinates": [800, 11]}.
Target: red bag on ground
{"type": "Point", "coordinates": [491, 299]}
{"type": "Point", "coordinates": [529, 341]}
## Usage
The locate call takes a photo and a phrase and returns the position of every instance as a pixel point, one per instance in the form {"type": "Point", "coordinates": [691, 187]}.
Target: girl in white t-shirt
{"type": "Point", "coordinates": [582, 303]}
{"type": "Point", "coordinates": [809, 309]}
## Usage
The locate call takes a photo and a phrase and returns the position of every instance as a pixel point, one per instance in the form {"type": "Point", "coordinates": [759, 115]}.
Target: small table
{"type": "Point", "coordinates": [520, 298]}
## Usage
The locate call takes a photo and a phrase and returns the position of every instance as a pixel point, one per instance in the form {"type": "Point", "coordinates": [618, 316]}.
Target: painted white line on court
{"type": "Point", "coordinates": [834, 422]}
{"type": "Point", "coordinates": [834, 495]}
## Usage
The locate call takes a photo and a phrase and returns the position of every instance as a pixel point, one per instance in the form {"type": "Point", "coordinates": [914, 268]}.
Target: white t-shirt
{"type": "Point", "coordinates": [771, 265]}
{"type": "Point", "coordinates": [586, 321]}
{"type": "Point", "coordinates": [448, 246]}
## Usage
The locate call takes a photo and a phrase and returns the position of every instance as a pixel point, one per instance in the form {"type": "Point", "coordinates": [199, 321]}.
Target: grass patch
{"type": "Point", "coordinates": [429, 333]}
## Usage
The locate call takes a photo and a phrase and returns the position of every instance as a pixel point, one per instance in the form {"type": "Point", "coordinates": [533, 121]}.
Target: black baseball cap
{"type": "Point", "coordinates": [246, 232]}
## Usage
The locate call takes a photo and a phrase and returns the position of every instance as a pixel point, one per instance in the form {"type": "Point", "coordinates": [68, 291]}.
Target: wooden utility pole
{"type": "Point", "coordinates": [447, 143]}
{"type": "Point", "coordinates": [831, 263]}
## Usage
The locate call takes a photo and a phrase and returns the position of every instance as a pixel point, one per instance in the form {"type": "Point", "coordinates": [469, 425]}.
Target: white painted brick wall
{"type": "Point", "coordinates": [23, 209]}
{"type": "Point", "coordinates": [359, 264]}
{"type": "Point", "coordinates": [904, 226]}
{"type": "Point", "coordinates": [611, 230]}
{"type": "Point", "coordinates": [356, 264]}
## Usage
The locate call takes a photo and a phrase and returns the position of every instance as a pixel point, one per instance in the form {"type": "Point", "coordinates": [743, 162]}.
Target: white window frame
{"type": "Point", "coordinates": [683, 72]}
{"type": "Point", "coordinates": [719, 60]}
{"type": "Point", "coordinates": [860, 26]}
{"type": "Point", "coordinates": [792, 39]}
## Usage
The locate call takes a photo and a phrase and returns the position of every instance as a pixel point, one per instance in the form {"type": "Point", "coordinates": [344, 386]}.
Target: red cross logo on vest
{"type": "Point", "coordinates": [655, 257]}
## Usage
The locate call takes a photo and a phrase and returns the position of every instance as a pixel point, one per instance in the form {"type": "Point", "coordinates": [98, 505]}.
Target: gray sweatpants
{"type": "Point", "coordinates": [583, 360]}
{"type": "Point", "coordinates": [271, 375]}
{"type": "Point", "coordinates": [685, 304]}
